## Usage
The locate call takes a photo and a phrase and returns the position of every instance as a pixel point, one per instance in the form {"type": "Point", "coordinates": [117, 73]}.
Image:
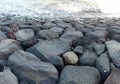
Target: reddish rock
{"type": "Point", "coordinates": [114, 77]}
{"type": "Point", "coordinates": [11, 35]}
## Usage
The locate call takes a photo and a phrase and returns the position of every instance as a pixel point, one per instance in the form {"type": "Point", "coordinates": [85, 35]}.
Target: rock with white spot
{"type": "Point", "coordinates": [102, 64]}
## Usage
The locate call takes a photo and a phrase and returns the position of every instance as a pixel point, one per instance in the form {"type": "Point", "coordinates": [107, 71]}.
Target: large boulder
{"type": "Point", "coordinates": [24, 34]}
{"type": "Point", "coordinates": [49, 51]}
{"type": "Point", "coordinates": [28, 67]}
{"type": "Point", "coordinates": [7, 77]}
{"type": "Point", "coordinates": [114, 77]}
{"type": "Point", "coordinates": [79, 75]}
{"type": "Point", "coordinates": [114, 51]}
{"type": "Point", "coordinates": [7, 47]}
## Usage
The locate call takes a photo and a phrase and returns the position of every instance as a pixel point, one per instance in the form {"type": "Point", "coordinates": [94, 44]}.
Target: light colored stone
{"type": "Point", "coordinates": [7, 77]}
{"type": "Point", "coordinates": [70, 57]}
{"type": "Point", "coordinates": [24, 34]}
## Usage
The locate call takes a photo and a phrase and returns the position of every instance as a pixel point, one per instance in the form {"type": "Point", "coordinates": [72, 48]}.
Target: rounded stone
{"type": "Point", "coordinates": [70, 57]}
{"type": "Point", "coordinates": [24, 34]}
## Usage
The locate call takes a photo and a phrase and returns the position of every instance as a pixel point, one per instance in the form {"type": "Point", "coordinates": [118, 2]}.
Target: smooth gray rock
{"type": "Point", "coordinates": [47, 34]}
{"type": "Point", "coordinates": [7, 77]}
{"type": "Point", "coordinates": [99, 48]}
{"type": "Point", "coordinates": [24, 34]}
{"type": "Point", "coordinates": [79, 75]}
{"type": "Point", "coordinates": [28, 67]}
{"type": "Point", "coordinates": [72, 35]}
{"type": "Point", "coordinates": [113, 48]}
{"type": "Point", "coordinates": [103, 65]}
{"type": "Point", "coordinates": [88, 58]}
{"type": "Point", "coordinates": [49, 50]}
{"type": "Point", "coordinates": [7, 47]}
{"type": "Point", "coordinates": [2, 36]}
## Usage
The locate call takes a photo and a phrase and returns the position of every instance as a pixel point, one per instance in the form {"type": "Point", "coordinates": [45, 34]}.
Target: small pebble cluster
{"type": "Point", "coordinates": [84, 51]}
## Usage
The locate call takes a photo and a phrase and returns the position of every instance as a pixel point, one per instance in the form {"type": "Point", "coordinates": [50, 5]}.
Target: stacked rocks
{"type": "Point", "coordinates": [85, 51]}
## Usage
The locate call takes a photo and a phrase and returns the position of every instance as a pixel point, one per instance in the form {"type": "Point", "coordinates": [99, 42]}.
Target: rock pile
{"type": "Point", "coordinates": [86, 51]}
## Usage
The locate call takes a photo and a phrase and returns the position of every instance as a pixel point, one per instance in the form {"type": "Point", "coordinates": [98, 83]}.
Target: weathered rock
{"type": "Point", "coordinates": [72, 35]}
{"type": "Point", "coordinates": [79, 75]}
{"type": "Point", "coordinates": [78, 49]}
{"type": "Point", "coordinates": [2, 36]}
{"type": "Point", "coordinates": [24, 34]}
{"type": "Point", "coordinates": [28, 67]}
{"type": "Point", "coordinates": [97, 35]}
{"type": "Point", "coordinates": [114, 51]}
{"type": "Point", "coordinates": [102, 64]}
{"type": "Point", "coordinates": [99, 48]}
{"type": "Point", "coordinates": [7, 47]}
{"type": "Point", "coordinates": [57, 30]}
{"type": "Point", "coordinates": [47, 34]}
{"type": "Point", "coordinates": [7, 77]}
{"type": "Point", "coordinates": [70, 57]}
{"type": "Point", "coordinates": [50, 50]}
{"type": "Point", "coordinates": [88, 58]}
{"type": "Point", "coordinates": [114, 77]}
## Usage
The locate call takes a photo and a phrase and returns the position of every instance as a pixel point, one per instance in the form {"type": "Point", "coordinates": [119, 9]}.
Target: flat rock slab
{"type": "Point", "coordinates": [48, 49]}
{"type": "Point", "coordinates": [28, 67]}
